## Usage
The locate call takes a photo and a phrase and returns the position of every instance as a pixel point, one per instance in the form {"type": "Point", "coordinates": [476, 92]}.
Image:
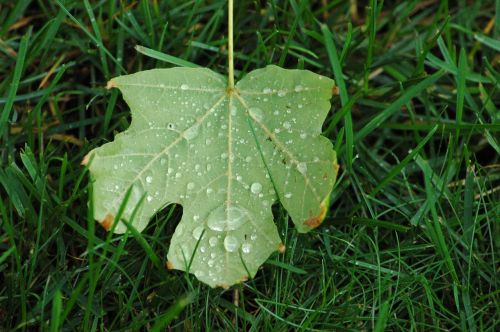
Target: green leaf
{"type": "Point", "coordinates": [225, 155]}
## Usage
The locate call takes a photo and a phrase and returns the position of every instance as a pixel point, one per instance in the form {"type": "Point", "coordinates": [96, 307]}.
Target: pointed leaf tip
{"type": "Point", "coordinates": [107, 222]}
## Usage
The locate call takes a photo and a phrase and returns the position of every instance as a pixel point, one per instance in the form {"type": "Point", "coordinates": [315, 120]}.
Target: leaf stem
{"type": "Point", "coordinates": [230, 55]}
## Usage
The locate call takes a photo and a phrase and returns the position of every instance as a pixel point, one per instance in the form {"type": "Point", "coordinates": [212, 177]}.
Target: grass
{"type": "Point", "coordinates": [411, 241]}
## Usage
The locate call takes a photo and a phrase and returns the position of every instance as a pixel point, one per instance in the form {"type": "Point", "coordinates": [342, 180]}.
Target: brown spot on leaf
{"type": "Point", "coordinates": [315, 221]}
{"type": "Point", "coordinates": [111, 84]}
{"type": "Point", "coordinates": [335, 90]}
{"type": "Point", "coordinates": [281, 248]}
{"type": "Point", "coordinates": [169, 265]}
{"type": "Point", "coordinates": [244, 278]}
{"type": "Point", "coordinates": [107, 222]}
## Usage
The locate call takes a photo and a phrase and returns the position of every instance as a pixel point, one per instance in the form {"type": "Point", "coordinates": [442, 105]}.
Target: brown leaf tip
{"type": "Point", "coordinates": [225, 286]}
{"type": "Point", "coordinates": [315, 221]}
{"type": "Point", "coordinates": [169, 265]}
{"type": "Point", "coordinates": [85, 160]}
{"type": "Point", "coordinates": [281, 248]}
{"type": "Point", "coordinates": [107, 222]}
{"type": "Point", "coordinates": [244, 278]}
{"type": "Point", "coordinates": [111, 84]}
{"type": "Point", "coordinates": [335, 90]}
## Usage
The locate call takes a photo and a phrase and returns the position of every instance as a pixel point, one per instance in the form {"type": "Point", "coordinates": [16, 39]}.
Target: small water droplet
{"type": "Point", "coordinates": [266, 90]}
{"type": "Point", "coordinates": [163, 161]}
{"type": "Point", "coordinates": [253, 237]}
{"type": "Point", "coordinates": [184, 87]}
{"type": "Point", "coordinates": [256, 113]}
{"type": "Point", "coordinates": [246, 248]}
{"type": "Point", "coordinates": [256, 188]}
{"type": "Point", "coordinates": [303, 135]}
{"type": "Point", "coordinates": [213, 241]}
{"type": "Point", "coordinates": [286, 125]}
{"type": "Point", "coordinates": [197, 232]}
{"type": "Point", "coordinates": [299, 88]}
{"type": "Point", "coordinates": [203, 249]}
{"type": "Point", "coordinates": [302, 167]}
{"type": "Point", "coordinates": [149, 198]}
{"type": "Point", "coordinates": [190, 186]}
{"type": "Point", "coordinates": [281, 93]}
{"type": "Point", "coordinates": [231, 243]}
{"type": "Point", "coordinates": [288, 195]}
{"type": "Point", "coordinates": [178, 175]}
{"type": "Point", "coordinates": [211, 263]}
{"type": "Point", "coordinates": [192, 132]}
{"type": "Point", "coordinates": [149, 179]}
{"type": "Point", "coordinates": [170, 126]}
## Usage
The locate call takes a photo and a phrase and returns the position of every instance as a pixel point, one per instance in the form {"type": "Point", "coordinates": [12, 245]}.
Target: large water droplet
{"type": "Point", "coordinates": [227, 219]}
{"type": "Point", "coordinates": [231, 243]}
{"type": "Point", "coordinates": [298, 88]}
{"type": "Point", "coordinates": [197, 232]}
{"type": "Point", "coordinates": [256, 188]}
{"type": "Point", "coordinates": [184, 87]}
{"type": "Point", "coordinates": [267, 90]}
{"type": "Point", "coordinates": [302, 167]}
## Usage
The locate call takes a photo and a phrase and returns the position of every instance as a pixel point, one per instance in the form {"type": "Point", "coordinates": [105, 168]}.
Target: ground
{"type": "Point", "coordinates": [410, 241]}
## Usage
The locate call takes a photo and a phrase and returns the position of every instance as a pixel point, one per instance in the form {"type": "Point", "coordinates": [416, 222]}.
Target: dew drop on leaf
{"type": "Point", "coordinates": [197, 232]}
{"type": "Point", "coordinates": [256, 188]}
{"type": "Point", "coordinates": [213, 241]}
{"type": "Point", "coordinates": [184, 87]}
{"type": "Point", "coordinates": [231, 243]}
{"type": "Point", "coordinates": [246, 248]}
{"type": "Point", "coordinates": [302, 167]}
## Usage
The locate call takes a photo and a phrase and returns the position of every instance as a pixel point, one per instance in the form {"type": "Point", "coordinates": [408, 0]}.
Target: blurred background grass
{"type": "Point", "coordinates": [411, 241]}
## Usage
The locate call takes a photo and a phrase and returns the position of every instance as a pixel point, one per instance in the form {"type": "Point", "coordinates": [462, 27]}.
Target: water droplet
{"type": "Point", "coordinates": [184, 87]}
{"type": "Point", "coordinates": [211, 263]}
{"type": "Point", "coordinates": [299, 88]}
{"type": "Point", "coordinates": [203, 249]}
{"type": "Point", "coordinates": [256, 113]}
{"type": "Point", "coordinates": [170, 126]}
{"type": "Point", "coordinates": [223, 155]}
{"type": "Point", "coordinates": [253, 237]}
{"type": "Point", "coordinates": [303, 135]}
{"type": "Point", "coordinates": [197, 232]}
{"type": "Point", "coordinates": [286, 125]}
{"type": "Point", "coordinates": [192, 132]}
{"type": "Point", "coordinates": [190, 186]}
{"type": "Point", "coordinates": [266, 90]}
{"type": "Point", "coordinates": [199, 274]}
{"type": "Point", "coordinates": [281, 93]}
{"type": "Point", "coordinates": [231, 243]}
{"type": "Point", "coordinates": [246, 248]}
{"type": "Point", "coordinates": [213, 241]}
{"type": "Point", "coordinates": [256, 188]}
{"type": "Point", "coordinates": [163, 161]}
{"type": "Point", "coordinates": [196, 217]}
{"type": "Point", "coordinates": [288, 195]}
{"type": "Point", "coordinates": [178, 175]}
{"type": "Point", "coordinates": [302, 167]}
{"type": "Point", "coordinates": [227, 219]}
{"type": "Point", "coordinates": [149, 198]}
{"type": "Point", "coordinates": [149, 179]}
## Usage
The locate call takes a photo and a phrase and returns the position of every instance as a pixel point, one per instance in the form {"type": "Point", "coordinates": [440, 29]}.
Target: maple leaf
{"type": "Point", "coordinates": [226, 155]}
